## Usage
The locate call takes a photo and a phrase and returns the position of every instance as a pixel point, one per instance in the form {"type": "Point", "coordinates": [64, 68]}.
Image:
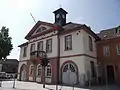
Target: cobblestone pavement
{"type": "Point", "coordinates": [109, 87]}
{"type": "Point", "coordinates": [7, 85]}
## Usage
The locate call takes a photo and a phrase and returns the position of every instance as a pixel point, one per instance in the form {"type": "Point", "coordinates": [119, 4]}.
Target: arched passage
{"type": "Point", "coordinates": [69, 73]}
{"type": "Point", "coordinates": [23, 73]}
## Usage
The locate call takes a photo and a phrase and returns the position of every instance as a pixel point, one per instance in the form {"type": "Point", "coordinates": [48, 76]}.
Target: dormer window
{"type": "Point", "coordinates": [104, 36]}
{"type": "Point", "coordinates": [117, 30]}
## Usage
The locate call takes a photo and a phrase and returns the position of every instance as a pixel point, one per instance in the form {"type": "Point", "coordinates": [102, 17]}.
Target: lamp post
{"type": "Point", "coordinates": [14, 81]}
{"type": "Point", "coordinates": [44, 63]}
{"type": "Point", "coordinates": [14, 76]}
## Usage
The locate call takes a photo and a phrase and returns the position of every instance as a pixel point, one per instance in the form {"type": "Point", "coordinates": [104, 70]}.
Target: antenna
{"type": "Point", "coordinates": [32, 17]}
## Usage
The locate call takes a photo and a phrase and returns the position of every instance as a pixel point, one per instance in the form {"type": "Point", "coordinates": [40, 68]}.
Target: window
{"type": "Point", "coordinates": [90, 44]}
{"type": "Point", "coordinates": [48, 71]}
{"type": "Point", "coordinates": [39, 70]}
{"type": "Point", "coordinates": [49, 45]}
{"type": "Point", "coordinates": [31, 69]}
{"type": "Point", "coordinates": [32, 48]}
{"type": "Point", "coordinates": [24, 51]}
{"type": "Point", "coordinates": [93, 73]}
{"type": "Point", "coordinates": [106, 51]}
{"type": "Point", "coordinates": [68, 42]}
{"type": "Point", "coordinates": [118, 49]}
{"type": "Point", "coordinates": [40, 46]}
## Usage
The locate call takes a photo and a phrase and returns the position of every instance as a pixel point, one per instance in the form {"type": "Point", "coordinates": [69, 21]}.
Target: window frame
{"type": "Point", "coordinates": [90, 43]}
{"type": "Point", "coordinates": [68, 43]}
{"type": "Point", "coordinates": [38, 70]}
{"type": "Point", "coordinates": [39, 45]}
{"type": "Point", "coordinates": [117, 30]}
{"type": "Point", "coordinates": [46, 69]}
{"type": "Point", "coordinates": [118, 49]}
{"type": "Point", "coordinates": [25, 51]}
{"type": "Point", "coordinates": [106, 49]}
{"type": "Point", "coordinates": [31, 47]}
{"type": "Point", "coordinates": [31, 70]}
{"type": "Point", "coordinates": [49, 48]}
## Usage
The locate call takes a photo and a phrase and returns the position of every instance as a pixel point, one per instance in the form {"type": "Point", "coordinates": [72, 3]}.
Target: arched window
{"type": "Point", "coordinates": [31, 70]}
{"type": "Point", "coordinates": [72, 68]}
{"type": "Point", "coordinates": [39, 70]}
{"type": "Point", "coordinates": [65, 68]}
{"type": "Point", "coordinates": [69, 67]}
{"type": "Point", "coordinates": [48, 71]}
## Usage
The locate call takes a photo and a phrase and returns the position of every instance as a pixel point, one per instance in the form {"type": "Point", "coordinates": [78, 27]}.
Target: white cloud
{"type": "Point", "coordinates": [79, 20]}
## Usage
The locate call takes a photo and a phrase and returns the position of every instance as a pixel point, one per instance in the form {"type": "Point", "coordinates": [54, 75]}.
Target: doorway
{"type": "Point", "coordinates": [23, 73]}
{"type": "Point", "coordinates": [69, 74]}
{"type": "Point", "coordinates": [110, 74]}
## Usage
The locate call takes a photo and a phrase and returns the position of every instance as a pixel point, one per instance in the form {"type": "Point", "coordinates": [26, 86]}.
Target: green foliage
{"type": "Point", "coordinates": [5, 43]}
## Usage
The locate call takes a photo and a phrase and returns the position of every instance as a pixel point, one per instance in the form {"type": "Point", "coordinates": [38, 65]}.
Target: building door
{"type": "Point", "coordinates": [110, 74]}
{"type": "Point", "coordinates": [23, 72]}
{"type": "Point", "coordinates": [69, 74]}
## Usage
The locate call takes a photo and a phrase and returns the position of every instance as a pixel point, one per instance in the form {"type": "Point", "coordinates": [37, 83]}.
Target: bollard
{"type": "Point", "coordinates": [73, 85]}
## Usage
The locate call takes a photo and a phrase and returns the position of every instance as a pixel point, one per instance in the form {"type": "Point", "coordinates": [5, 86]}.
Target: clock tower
{"type": "Point", "coordinates": [60, 16]}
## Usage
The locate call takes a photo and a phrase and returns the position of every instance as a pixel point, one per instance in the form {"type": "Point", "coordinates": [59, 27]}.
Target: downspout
{"type": "Point", "coordinates": [58, 62]}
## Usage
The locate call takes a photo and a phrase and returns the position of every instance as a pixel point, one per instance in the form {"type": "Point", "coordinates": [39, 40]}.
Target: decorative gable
{"type": "Point", "coordinates": [41, 28]}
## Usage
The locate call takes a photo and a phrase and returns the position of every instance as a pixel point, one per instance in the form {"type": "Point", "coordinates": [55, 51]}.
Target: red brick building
{"type": "Point", "coordinates": [108, 51]}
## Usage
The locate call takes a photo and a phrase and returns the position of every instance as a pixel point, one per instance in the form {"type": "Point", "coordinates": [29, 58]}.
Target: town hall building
{"type": "Point", "coordinates": [70, 48]}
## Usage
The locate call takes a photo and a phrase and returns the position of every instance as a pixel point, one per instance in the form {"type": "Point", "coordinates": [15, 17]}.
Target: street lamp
{"type": "Point", "coordinates": [14, 80]}
{"type": "Point", "coordinates": [44, 63]}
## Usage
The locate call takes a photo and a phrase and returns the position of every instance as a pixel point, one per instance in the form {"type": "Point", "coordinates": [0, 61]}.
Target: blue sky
{"type": "Point", "coordinates": [15, 15]}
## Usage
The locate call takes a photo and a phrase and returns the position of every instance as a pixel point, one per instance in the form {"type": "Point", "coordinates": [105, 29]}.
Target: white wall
{"type": "Point", "coordinates": [21, 58]}
{"type": "Point", "coordinates": [77, 44]}
{"type": "Point", "coordinates": [80, 44]}
{"type": "Point", "coordinates": [88, 66]}
{"type": "Point", "coordinates": [83, 64]}
{"type": "Point", "coordinates": [80, 62]}
{"type": "Point", "coordinates": [85, 37]}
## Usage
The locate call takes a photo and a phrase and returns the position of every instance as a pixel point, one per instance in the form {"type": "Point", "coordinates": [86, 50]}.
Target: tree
{"type": "Point", "coordinates": [5, 43]}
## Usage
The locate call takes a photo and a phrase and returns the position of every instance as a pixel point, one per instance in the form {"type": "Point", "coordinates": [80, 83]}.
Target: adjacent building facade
{"type": "Point", "coordinates": [10, 66]}
{"type": "Point", "coordinates": [108, 52]}
{"type": "Point", "coordinates": [70, 47]}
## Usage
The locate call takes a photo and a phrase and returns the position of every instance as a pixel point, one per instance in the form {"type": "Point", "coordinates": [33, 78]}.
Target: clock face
{"type": "Point", "coordinates": [58, 15]}
{"type": "Point", "coordinates": [63, 16]}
